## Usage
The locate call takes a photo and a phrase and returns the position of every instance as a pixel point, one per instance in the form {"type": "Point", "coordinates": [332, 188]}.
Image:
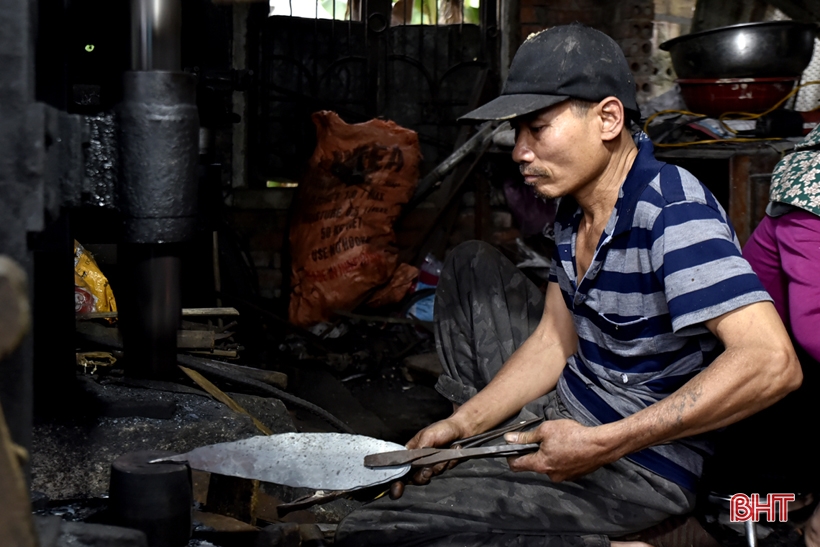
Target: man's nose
{"type": "Point", "coordinates": [522, 153]}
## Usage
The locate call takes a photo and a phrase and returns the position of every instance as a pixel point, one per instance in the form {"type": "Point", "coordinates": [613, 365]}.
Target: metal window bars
{"type": "Point", "coordinates": [403, 12]}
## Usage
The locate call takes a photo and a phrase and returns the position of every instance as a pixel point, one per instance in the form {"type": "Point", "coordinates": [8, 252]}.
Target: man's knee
{"type": "Point", "coordinates": [472, 262]}
{"type": "Point", "coordinates": [471, 253]}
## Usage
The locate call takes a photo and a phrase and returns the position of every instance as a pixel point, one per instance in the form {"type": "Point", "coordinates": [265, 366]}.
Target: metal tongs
{"type": "Point", "coordinates": [459, 450]}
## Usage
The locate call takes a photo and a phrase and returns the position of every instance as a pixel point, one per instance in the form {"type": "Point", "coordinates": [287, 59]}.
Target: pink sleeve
{"type": "Point", "coordinates": [798, 236]}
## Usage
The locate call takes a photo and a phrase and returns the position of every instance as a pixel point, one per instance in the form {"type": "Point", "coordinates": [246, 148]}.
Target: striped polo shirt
{"type": "Point", "coordinates": [667, 261]}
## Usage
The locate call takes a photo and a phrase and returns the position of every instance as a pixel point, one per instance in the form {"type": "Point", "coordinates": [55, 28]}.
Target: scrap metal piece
{"type": "Point", "coordinates": [322, 461]}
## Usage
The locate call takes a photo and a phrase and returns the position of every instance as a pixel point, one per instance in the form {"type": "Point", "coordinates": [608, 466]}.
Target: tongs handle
{"type": "Point", "coordinates": [429, 456]}
{"type": "Point", "coordinates": [476, 440]}
{"type": "Point", "coordinates": [501, 450]}
{"type": "Point", "coordinates": [461, 449]}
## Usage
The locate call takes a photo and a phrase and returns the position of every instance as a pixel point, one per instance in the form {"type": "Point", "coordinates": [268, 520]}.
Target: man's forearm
{"type": "Point", "coordinates": [736, 385]}
{"type": "Point", "coordinates": [757, 368]}
{"type": "Point", "coordinates": [529, 373]}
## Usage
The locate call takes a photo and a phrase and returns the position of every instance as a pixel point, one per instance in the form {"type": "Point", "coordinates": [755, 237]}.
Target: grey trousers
{"type": "Point", "coordinates": [485, 309]}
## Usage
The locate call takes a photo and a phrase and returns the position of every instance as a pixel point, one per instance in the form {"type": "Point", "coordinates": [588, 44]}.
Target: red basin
{"type": "Point", "coordinates": [714, 96]}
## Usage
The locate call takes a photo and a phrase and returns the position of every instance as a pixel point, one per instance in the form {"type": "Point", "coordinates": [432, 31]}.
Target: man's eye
{"type": "Point", "coordinates": [535, 129]}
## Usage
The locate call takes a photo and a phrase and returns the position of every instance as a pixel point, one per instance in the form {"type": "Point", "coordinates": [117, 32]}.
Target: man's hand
{"type": "Point", "coordinates": [568, 450]}
{"type": "Point", "coordinates": [441, 433]}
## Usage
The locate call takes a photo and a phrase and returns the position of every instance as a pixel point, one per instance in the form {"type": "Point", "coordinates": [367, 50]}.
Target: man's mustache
{"type": "Point", "coordinates": [532, 172]}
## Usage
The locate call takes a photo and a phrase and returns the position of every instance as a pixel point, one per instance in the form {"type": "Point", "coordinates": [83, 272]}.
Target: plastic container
{"type": "Point", "coordinates": [429, 273]}
{"type": "Point", "coordinates": [715, 96]}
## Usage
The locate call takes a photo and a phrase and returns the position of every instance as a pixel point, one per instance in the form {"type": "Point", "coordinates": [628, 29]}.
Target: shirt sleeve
{"type": "Point", "coordinates": [696, 257]}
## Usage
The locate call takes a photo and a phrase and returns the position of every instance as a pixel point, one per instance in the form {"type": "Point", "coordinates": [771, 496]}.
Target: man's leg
{"type": "Point", "coordinates": [485, 309]}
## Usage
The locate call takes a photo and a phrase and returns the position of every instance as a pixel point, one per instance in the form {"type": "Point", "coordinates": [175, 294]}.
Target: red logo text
{"type": "Point", "coordinates": [743, 507]}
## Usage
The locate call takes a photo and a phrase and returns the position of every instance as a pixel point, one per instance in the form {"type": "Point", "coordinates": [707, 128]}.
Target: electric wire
{"type": "Point", "coordinates": [218, 370]}
{"type": "Point", "coordinates": [723, 118]}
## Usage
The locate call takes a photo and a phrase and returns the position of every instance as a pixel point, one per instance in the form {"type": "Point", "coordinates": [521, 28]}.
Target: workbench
{"type": "Point", "coordinates": [737, 173]}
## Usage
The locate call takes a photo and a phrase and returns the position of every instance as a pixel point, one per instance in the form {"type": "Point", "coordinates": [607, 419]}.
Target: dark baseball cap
{"type": "Point", "coordinates": [564, 62]}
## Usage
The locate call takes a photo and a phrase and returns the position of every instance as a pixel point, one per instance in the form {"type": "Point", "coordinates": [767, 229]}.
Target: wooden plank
{"type": "Point", "coordinates": [215, 353]}
{"type": "Point", "coordinates": [234, 498]}
{"type": "Point", "coordinates": [193, 325]}
{"type": "Point", "coordinates": [208, 312]}
{"type": "Point", "coordinates": [223, 398]}
{"type": "Point", "coordinates": [111, 337]}
{"type": "Point", "coordinates": [195, 339]}
{"type": "Point", "coordinates": [186, 312]}
{"type": "Point", "coordinates": [270, 377]}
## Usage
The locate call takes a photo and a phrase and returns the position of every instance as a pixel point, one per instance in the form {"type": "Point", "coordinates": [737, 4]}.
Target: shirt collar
{"type": "Point", "coordinates": [644, 170]}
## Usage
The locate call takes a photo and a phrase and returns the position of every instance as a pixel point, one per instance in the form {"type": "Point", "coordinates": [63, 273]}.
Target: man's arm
{"type": "Point", "coordinates": [530, 372]}
{"type": "Point", "coordinates": [757, 368]}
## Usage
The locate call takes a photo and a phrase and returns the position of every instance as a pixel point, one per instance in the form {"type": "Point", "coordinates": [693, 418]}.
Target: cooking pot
{"type": "Point", "coordinates": [750, 50]}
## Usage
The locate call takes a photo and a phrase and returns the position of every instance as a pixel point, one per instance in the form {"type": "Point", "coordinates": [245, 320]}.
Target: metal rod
{"type": "Point", "coordinates": [156, 27]}
{"type": "Point", "coordinates": [751, 533]}
{"type": "Point", "coordinates": [151, 312]}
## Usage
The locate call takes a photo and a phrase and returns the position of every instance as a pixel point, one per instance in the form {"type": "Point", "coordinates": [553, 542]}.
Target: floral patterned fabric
{"type": "Point", "coordinates": [796, 178]}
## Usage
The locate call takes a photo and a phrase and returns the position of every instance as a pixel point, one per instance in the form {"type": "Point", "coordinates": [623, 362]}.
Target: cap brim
{"type": "Point", "coordinates": [507, 107]}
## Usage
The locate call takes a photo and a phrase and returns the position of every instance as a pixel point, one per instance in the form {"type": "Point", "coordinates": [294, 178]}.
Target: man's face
{"type": "Point", "coordinates": [559, 151]}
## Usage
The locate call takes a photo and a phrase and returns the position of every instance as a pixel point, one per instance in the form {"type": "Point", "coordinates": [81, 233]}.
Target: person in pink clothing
{"type": "Point", "coordinates": [784, 252]}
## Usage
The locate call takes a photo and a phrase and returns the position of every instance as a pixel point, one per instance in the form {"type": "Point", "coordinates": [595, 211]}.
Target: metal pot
{"type": "Point", "coordinates": [750, 50]}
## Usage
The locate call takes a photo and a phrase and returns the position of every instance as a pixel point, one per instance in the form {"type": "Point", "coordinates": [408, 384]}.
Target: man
{"type": "Point", "coordinates": [624, 355]}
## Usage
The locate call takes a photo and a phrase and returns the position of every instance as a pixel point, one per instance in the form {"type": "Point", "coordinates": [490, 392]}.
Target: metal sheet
{"type": "Point", "coordinates": [323, 461]}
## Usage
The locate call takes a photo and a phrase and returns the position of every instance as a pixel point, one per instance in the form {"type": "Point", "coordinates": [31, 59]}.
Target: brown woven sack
{"type": "Point", "coordinates": [341, 235]}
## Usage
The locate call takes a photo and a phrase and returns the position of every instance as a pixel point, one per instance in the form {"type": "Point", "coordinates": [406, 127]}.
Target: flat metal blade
{"type": "Point", "coordinates": [322, 461]}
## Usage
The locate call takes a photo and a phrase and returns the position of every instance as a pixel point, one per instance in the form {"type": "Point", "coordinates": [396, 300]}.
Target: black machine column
{"type": "Point", "coordinates": [158, 186]}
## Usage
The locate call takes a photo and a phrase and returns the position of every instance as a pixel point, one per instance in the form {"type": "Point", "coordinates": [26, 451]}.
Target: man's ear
{"type": "Point", "coordinates": [613, 118]}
